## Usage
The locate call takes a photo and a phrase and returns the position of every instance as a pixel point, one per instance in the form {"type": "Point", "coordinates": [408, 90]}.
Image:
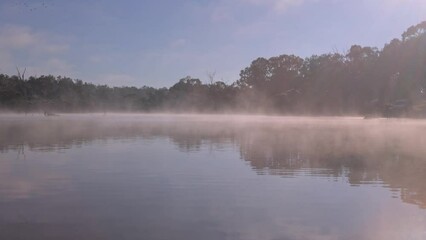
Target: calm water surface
{"type": "Point", "coordinates": [209, 177]}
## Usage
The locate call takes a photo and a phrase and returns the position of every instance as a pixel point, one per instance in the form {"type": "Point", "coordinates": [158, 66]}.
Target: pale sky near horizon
{"type": "Point", "coordinates": [155, 43]}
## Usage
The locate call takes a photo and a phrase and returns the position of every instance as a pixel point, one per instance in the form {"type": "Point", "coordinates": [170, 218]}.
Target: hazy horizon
{"type": "Point", "coordinates": [157, 177]}
{"type": "Point", "coordinates": [213, 119]}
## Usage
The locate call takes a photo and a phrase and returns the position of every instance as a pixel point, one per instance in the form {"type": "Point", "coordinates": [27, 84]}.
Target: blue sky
{"type": "Point", "coordinates": [156, 43]}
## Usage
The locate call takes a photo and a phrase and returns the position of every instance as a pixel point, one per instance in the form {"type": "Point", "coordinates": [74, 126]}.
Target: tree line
{"type": "Point", "coordinates": [365, 80]}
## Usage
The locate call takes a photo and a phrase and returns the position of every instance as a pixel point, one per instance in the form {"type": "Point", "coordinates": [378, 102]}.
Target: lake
{"type": "Point", "coordinates": [134, 176]}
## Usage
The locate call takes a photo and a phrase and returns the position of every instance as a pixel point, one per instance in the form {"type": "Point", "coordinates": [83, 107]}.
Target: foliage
{"type": "Point", "coordinates": [365, 80]}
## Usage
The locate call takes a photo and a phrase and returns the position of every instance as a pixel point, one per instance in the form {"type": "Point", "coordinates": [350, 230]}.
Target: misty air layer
{"type": "Point", "coordinates": [325, 147]}
{"type": "Point", "coordinates": [178, 176]}
{"type": "Point", "coordinates": [365, 81]}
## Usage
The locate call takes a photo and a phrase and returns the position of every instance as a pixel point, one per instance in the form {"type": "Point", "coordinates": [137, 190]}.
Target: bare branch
{"type": "Point", "coordinates": [211, 76]}
{"type": "Point", "coordinates": [23, 74]}
{"type": "Point", "coordinates": [19, 73]}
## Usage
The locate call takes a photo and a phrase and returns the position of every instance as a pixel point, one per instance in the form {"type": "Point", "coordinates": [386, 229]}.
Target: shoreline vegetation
{"type": "Point", "coordinates": [365, 81]}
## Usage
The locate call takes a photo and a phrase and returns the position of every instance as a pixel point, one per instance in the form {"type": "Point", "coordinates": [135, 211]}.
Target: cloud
{"type": "Point", "coordinates": [15, 37]}
{"type": "Point", "coordinates": [98, 59]}
{"type": "Point", "coordinates": [276, 5]}
{"type": "Point", "coordinates": [397, 4]}
{"type": "Point", "coordinates": [116, 79]}
{"type": "Point", "coordinates": [6, 62]}
{"type": "Point", "coordinates": [221, 13]}
{"type": "Point", "coordinates": [40, 52]}
{"type": "Point", "coordinates": [178, 43]}
{"type": "Point", "coordinates": [52, 66]}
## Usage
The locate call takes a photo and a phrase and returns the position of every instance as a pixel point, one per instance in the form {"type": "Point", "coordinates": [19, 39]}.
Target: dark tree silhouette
{"type": "Point", "coordinates": [366, 81]}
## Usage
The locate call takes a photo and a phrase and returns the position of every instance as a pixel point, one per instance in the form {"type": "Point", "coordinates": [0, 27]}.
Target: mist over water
{"type": "Point", "coordinates": [135, 176]}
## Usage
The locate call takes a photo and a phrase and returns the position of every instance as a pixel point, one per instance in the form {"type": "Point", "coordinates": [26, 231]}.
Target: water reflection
{"type": "Point", "coordinates": [362, 151]}
{"type": "Point", "coordinates": [392, 155]}
{"type": "Point", "coordinates": [122, 167]}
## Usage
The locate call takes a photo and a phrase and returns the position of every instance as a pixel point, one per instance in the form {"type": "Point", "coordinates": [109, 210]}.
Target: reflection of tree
{"type": "Point", "coordinates": [21, 151]}
{"type": "Point", "coordinates": [361, 151]}
{"type": "Point", "coordinates": [391, 157]}
{"type": "Point", "coordinates": [48, 134]}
